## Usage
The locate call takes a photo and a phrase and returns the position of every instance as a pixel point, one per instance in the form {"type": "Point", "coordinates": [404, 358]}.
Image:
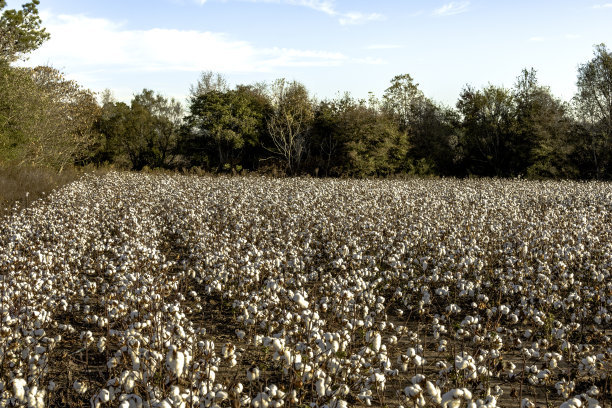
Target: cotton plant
{"type": "Point", "coordinates": [206, 292]}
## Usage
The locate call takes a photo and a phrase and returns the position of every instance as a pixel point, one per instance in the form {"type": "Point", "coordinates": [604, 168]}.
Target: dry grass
{"type": "Point", "coordinates": [21, 185]}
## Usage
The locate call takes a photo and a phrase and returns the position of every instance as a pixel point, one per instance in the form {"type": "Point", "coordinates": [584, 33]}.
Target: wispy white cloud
{"type": "Point", "coordinates": [324, 6]}
{"type": "Point", "coordinates": [353, 18]}
{"type": "Point", "coordinates": [537, 39]}
{"type": "Point", "coordinates": [602, 6]}
{"type": "Point", "coordinates": [452, 8]}
{"type": "Point", "coordinates": [86, 46]}
{"type": "Point", "coordinates": [382, 46]}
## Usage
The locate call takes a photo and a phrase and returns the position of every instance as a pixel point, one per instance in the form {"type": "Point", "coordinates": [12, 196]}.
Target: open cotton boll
{"type": "Point", "coordinates": [80, 387]}
{"type": "Point", "coordinates": [262, 400]}
{"type": "Point", "coordinates": [376, 342]}
{"type": "Point", "coordinates": [299, 299]}
{"type": "Point", "coordinates": [104, 395]}
{"type": "Point", "coordinates": [434, 392]}
{"type": "Point", "coordinates": [36, 398]}
{"type": "Point", "coordinates": [175, 361]}
{"type": "Point", "coordinates": [320, 387]}
{"type": "Point", "coordinates": [252, 374]}
{"type": "Point", "coordinates": [19, 392]}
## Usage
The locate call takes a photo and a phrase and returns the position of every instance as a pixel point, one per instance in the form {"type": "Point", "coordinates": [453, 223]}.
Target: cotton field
{"type": "Point", "coordinates": [135, 290]}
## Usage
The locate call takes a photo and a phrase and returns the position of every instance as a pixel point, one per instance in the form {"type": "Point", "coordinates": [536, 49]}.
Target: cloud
{"type": "Point", "coordinates": [452, 8]}
{"type": "Point", "coordinates": [86, 46]}
{"type": "Point", "coordinates": [572, 36]}
{"type": "Point", "coordinates": [382, 46]}
{"type": "Point", "coordinates": [537, 39]}
{"type": "Point", "coordinates": [324, 6]}
{"type": "Point", "coordinates": [359, 18]}
{"type": "Point", "coordinates": [602, 6]}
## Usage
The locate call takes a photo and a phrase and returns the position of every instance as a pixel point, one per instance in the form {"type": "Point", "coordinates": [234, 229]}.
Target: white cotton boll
{"type": "Point", "coordinates": [299, 299]}
{"type": "Point", "coordinates": [413, 390]}
{"type": "Point", "coordinates": [461, 363]}
{"type": "Point", "coordinates": [130, 382]}
{"type": "Point", "coordinates": [452, 398]}
{"type": "Point", "coordinates": [104, 395]}
{"type": "Point", "coordinates": [526, 403]}
{"type": "Point", "coordinates": [240, 334]}
{"type": "Point", "coordinates": [221, 396]}
{"type": "Point", "coordinates": [278, 347]}
{"type": "Point", "coordinates": [237, 389]}
{"type": "Point", "coordinates": [175, 361]}
{"type": "Point", "coordinates": [376, 342]}
{"type": "Point", "coordinates": [434, 392]}
{"type": "Point", "coordinates": [320, 387]}
{"type": "Point", "coordinates": [19, 391]}
{"type": "Point", "coordinates": [80, 387]}
{"type": "Point", "coordinates": [262, 400]}
{"type": "Point", "coordinates": [573, 402]}
{"type": "Point", "coordinates": [101, 344]}
{"type": "Point", "coordinates": [252, 374]}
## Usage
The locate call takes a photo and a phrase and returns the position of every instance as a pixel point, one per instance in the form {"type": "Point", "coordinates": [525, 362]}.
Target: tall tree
{"type": "Point", "coordinates": [594, 108]}
{"type": "Point", "coordinates": [353, 138]}
{"type": "Point", "coordinates": [18, 101]}
{"type": "Point", "coordinates": [219, 125]}
{"type": "Point", "coordinates": [434, 138]}
{"type": "Point", "coordinates": [540, 145]}
{"type": "Point", "coordinates": [290, 123]}
{"type": "Point", "coordinates": [20, 31]}
{"type": "Point", "coordinates": [45, 119]}
{"type": "Point", "coordinates": [209, 81]}
{"type": "Point", "coordinates": [166, 119]}
{"type": "Point", "coordinates": [145, 133]}
{"type": "Point", "coordinates": [404, 100]}
{"type": "Point", "coordinates": [112, 124]}
{"type": "Point", "coordinates": [488, 122]}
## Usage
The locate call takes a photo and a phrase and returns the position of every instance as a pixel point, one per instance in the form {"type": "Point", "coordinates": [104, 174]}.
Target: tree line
{"type": "Point", "coordinates": [493, 131]}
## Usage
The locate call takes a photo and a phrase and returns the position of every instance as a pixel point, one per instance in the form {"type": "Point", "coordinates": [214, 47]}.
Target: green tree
{"type": "Point", "coordinates": [354, 138]}
{"type": "Point", "coordinates": [219, 125]}
{"type": "Point", "coordinates": [257, 99]}
{"type": "Point", "coordinates": [112, 127]}
{"type": "Point", "coordinates": [541, 144]}
{"type": "Point", "coordinates": [208, 81]}
{"type": "Point", "coordinates": [594, 109]}
{"type": "Point", "coordinates": [64, 127]}
{"type": "Point", "coordinates": [404, 100]}
{"type": "Point", "coordinates": [328, 138]}
{"type": "Point", "coordinates": [45, 119]}
{"type": "Point", "coordinates": [20, 31]}
{"type": "Point", "coordinates": [434, 139]}
{"type": "Point", "coordinates": [487, 126]}
{"type": "Point", "coordinates": [165, 116]}
{"type": "Point", "coordinates": [145, 133]}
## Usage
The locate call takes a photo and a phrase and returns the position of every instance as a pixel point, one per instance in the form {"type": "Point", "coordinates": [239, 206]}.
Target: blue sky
{"type": "Point", "coordinates": [332, 46]}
